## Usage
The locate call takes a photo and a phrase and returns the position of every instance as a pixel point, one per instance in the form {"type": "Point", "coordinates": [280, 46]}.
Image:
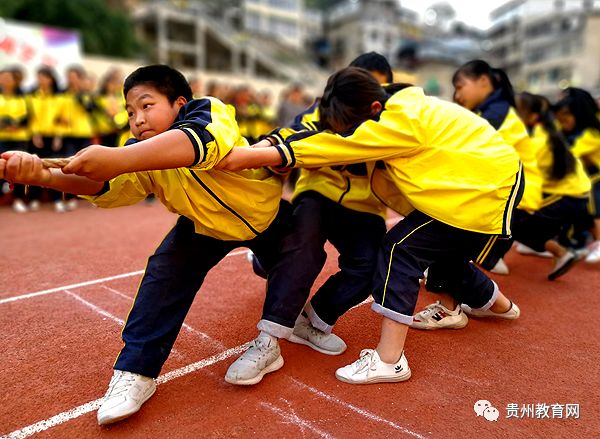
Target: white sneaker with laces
{"type": "Point", "coordinates": [370, 369]}
{"type": "Point", "coordinates": [437, 316]}
{"type": "Point", "coordinates": [512, 314]}
{"type": "Point", "coordinates": [306, 334]}
{"type": "Point", "coordinates": [126, 393]}
{"type": "Point", "coordinates": [593, 255]}
{"type": "Point", "coordinates": [525, 250]}
{"type": "Point", "coordinates": [500, 267]}
{"type": "Point", "coordinates": [263, 356]}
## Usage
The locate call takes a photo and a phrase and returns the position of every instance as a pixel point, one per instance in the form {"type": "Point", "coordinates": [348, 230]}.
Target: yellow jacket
{"type": "Point", "coordinates": [222, 204]}
{"type": "Point", "coordinates": [14, 118]}
{"type": "Point", "coordinates": [587, 148]}
{"type": "Point", "coordinates": [514, 132]}
{"type": "Point", "coordinates": [446, 161]}
{"type": "Point", "coordinates": [575, 184]}
{"type": "Point", "coordinates": [77, 115]}
{"type": "Point", "coordinates": [349, 186]}
{"type": "Point", "coordinates": [46, 113]}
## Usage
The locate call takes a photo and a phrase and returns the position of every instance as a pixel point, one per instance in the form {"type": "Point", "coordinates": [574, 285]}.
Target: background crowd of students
{"type": "Point", "coordinates": [54, 121]}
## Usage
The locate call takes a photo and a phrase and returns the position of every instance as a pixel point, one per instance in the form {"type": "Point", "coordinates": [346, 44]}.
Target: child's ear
{"type": "Point", "coordinates": [376, 108]}
{"type": "Point", "coordinates": [180, 101]}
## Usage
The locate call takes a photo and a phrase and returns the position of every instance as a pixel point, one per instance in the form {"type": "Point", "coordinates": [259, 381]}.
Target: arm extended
{"type": "Point", "coordinates": [168, 150]}
{"type": "Point", "coordinates": [20, 167]}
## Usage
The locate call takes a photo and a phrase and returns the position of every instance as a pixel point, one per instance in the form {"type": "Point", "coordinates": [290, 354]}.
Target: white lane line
{"type": "Point", "coordinates": [97, 309]}
{"type": "Point", "coordinates": [87, 283]}
{"type": "Point", "coordinates": [291, 417]}
{"type": "Point", "coordinates": [83, 409]}
{"type": "Point", "coordinates": [362, 412]}
{"type": "Point", "coordinates": [187, 327]}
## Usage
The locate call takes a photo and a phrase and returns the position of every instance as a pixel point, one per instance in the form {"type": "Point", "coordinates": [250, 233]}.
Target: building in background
{"type": "Point", "coordinates": [209, 36]}
{"type": "Point", "coordinates": [545, 45]}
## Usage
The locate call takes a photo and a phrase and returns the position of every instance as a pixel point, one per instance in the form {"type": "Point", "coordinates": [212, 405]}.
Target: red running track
{"type": "Point", "coordinates": [67, 282]}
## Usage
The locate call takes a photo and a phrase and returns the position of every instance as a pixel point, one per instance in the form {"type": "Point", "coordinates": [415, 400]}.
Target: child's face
{"type": "Point", "coordinates": [566, 119]}
{"type": "Point", "coordinates": [470, 92]}
{"type": "Point", "coordinates": [150, 112]}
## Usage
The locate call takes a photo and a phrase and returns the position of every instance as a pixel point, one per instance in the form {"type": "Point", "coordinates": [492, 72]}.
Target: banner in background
{"type": "Point", "coordinates": [31, 46]}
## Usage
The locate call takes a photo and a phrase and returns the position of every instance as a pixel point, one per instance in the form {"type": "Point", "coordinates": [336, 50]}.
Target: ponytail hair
{"type": "Point", "coordinates": [582, 106]}
{"type": "Point", "coordinates": [477, 68]}
{"type": "Point", "coordinates": [347, 98]}
{"type": "Point", "coordinates": [563, 161]}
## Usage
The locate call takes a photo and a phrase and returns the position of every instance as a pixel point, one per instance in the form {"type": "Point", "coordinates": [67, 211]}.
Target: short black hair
{"type": "Point", "coordinates": [165, 79]}
{"type": "Point", "coordinates": [373, 61]}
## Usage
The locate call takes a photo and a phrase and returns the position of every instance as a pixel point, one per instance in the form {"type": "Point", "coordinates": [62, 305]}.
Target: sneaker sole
{"type": "Point", "coordinates": [395, 379]}
{"type": "Point", "coordinates": [275, 365]}
{"type": "Point", "coordinates": [494, 316]}
{"type": "Point", "coordinates": [299, 340]}
{"type": "Point", "coordinates": [110, 420]}
{"type": "Point", "coordinates": [459, 325]}
{"type": "Point", "coordinates": [564, 269]}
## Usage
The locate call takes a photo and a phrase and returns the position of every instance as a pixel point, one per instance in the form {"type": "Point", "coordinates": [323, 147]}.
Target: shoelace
{"type": "Point", "coordinates": [365, 360]}
{"type": "Point", "coordinates": [431, 309]}
{"type": "Point", "coordinates": [122, 383]}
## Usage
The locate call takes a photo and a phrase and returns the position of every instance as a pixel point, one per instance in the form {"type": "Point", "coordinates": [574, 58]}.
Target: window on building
{"type": "Point", "coordinates": [534, 78]}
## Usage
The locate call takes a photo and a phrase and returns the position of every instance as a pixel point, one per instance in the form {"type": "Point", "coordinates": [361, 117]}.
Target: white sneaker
{"type": "Point", "coordinates": [500, 267]}
{"type": "Point", "coordinates": [437, 316]}
{"type": "Point", "coordinates": [370, 369]}
{"type": "Point", "coordinates": [563, 264]}
{"type": "Point", "coordinates": [593, 255]}
{"type": "Point", "coordinates": [34, 206]}
{"type": "Point", "coordinates": [306, 334]}
{"type": "Point", "coordinates": [60, 206]}
{"type": "Point", "coordinates": [19, 206]}
{"type": "Point", "coordinates": [512, 314]}
{"type": "Point", "coordinates": [72, 204]}
{"type": "Point", "coordinates": [524, 250]}
{"type": "Point", "coordinates": [263, 356]}
{"type": "Point", "coordinates": [126, 393]}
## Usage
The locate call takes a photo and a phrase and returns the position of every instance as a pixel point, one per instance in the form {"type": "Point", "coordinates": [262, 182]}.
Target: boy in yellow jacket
{"type": "Point", "coordinates": [219, 210]}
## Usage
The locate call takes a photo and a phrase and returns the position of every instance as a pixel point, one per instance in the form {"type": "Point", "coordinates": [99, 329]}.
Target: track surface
{"type": "Point", "coordinates": [67, 283]}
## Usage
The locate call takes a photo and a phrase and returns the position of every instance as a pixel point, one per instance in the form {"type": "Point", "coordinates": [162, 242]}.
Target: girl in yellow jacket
{"type": "Point", "coordinates": [449, 164]}
{"type": "Point", "coordinates": [566, 186]}
{"type": "Point", "coordinates": [488, 92]}
{"type": "Point", "coordinates": [578, 115]}
{"type": "Point", "coordinates": [14, 127]}
{"type": "Point", "coordinates": [46, 110]}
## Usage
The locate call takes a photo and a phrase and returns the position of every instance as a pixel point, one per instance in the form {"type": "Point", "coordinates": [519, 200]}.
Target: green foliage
{"type": "Point", "coordinates": [103, 31]}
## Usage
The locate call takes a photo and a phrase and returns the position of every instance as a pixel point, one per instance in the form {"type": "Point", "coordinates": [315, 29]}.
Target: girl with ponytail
{"type": "Point", "coordinates": [565, 187]}
{"type": "Point", "coordinates": [488, 92]}
{"type": "Point", "coordinates": [578, 114]}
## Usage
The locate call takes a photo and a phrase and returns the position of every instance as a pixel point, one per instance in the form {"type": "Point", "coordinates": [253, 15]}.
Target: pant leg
{"type": "Point", "coordinates": [548, 222]}
{"type": "Point", "coordinates": [294, 266]}
{"type": "Point", "coordinates": [357, 236]}
{"type": "Point", "coordinates": [172, 278]}
{"type": "Point", "coordinates": [418, 242]}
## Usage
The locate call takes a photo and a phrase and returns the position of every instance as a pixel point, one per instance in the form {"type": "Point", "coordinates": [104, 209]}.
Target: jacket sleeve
{"type": "Point", "coordinates": [395, 133]}
{"type": "Point", "coordinates": [211, 127]}
{"type": "Point", "coordinates": [123, 190]}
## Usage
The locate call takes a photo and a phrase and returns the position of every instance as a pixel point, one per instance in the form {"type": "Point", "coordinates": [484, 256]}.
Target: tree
{"type": "Point", "coordinates": [104, 31]}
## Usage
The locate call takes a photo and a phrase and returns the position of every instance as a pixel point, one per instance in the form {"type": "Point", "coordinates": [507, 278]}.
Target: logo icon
{"type": "Point", "coordinates": [398, 369]}
{"type": "Point", "coordinates": [484, 408]}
